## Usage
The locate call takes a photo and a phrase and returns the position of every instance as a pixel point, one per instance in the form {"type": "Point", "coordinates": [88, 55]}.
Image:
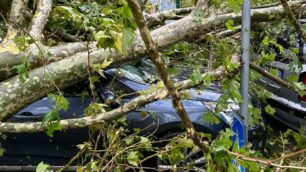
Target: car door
{"type": "Point", "coordinates": [32, 148]}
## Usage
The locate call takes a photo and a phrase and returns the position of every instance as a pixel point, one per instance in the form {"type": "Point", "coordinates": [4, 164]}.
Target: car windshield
{"type": "Point", "coordinates": [143, 72]}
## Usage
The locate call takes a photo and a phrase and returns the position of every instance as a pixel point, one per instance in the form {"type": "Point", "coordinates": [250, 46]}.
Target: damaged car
{"type": "Point", "coordinates": [31, 148]}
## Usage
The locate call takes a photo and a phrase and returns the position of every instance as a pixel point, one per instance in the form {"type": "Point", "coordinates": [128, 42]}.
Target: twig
{"type": "Point", "coordinates": [270, 162]}
{"type": "Point", "coordinates": [80, 153]}
{"type": "Point", "coordinates": [289, 155]}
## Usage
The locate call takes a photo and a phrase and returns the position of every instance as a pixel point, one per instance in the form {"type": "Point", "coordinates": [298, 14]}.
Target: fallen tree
{"type": "Point", "coordinates": [15, 95]}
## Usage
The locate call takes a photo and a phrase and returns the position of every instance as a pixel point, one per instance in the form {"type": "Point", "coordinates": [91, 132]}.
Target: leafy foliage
{"type": "Point", "coordinates": [42, 167]}
{"type": "Point", "coordinates": [109, 23]}
{"type": "Point", "coordinates": [52, 118]}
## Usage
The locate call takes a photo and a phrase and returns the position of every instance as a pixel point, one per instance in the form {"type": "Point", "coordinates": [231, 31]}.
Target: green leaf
{"type": "Point", "coordinates": [22, 69]}
{"type": "Point", "coordinates": [223, 143]}
{"type": "Point", "coordinates": [274, 72]}
{"type": "Point", "coordinates": [52, 118]}
{"type": "Point", "coordinates": [279, 46]}
{"type": "Point", "coordinates": [43, 167]}
{"type": "Point", "coordinates": [196, 76]}
{"type": "Point", "coordinates": [61, 103]}
{"type": "Point", "coordinates": [266, 57]}
{"type": "Point", "coordinates": [229, 24]}
{"type": "Point", "coordinates": [234, 5]}
{"type": "Point", "coordinates": [143, 114]}
{"type": "Point", "coordinates": [117, 37]}
{"type": "Point", "coordinates": [21, 43]}
{"type": "Point", "coordinates": [234, 91]}
{"type": "Point", "coordinates": [133, 158]}
{"type": "Point", "coordinates": [1, 152]}
{"type": "Point", "coordinates": [270, 110]}
{"type": "Point", "coordinates": [176, 155]}
{"type": "Point", "coordinates": [117, 169]}
{"type": "Point", "coordinates": [122, 120]}
{"type": "Point", "coordinates": [211, 118]}
{"type": "Point", "coordinates": [265, 41]}
{"type": "Point", "coordinates": [252, 166]}
{"type": "Point", "coordinates": [127, 39]}
{"type": "Point", "coordinates": [295, 50]}
{"type": "Point", "coordinates": [206, 79]}
{"type": "Point", "coordinates": [103, 40]}
{"type": "Point", "coordinates": [145, 143]}
{"type": "Point", "coordinates": [53, 127]}
{"type": "Point", "coordinates": [95, 108]}
{"type": "Point", "coordinates": [300, 88]}
{"type": "Point", "coordinates": [229, 65]}
{"type": "Point", "coordinates": [126, 11]}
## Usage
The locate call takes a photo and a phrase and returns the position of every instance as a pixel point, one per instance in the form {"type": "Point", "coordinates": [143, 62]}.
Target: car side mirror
{"type": "Point", "coordinates": [106, 95]}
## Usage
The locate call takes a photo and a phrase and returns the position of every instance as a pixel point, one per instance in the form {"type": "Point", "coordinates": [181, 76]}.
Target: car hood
{"type": "Point", "coordinates": [192, 94]}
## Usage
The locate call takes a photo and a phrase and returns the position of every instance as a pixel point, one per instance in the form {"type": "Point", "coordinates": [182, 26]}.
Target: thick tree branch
{"type": "Point", "coordinates": [65, 36]}
{"type": "Point", "coordinates": [271, 77]}
{"type": "Point", "coordinates": [159, 18]}
{"type": "Point", "coordinates": [40, 19]}
{"type": "Point", "coordinates": [17, 16]}
{"type": "Point", "coordinates": [201, 9]}
{"type": "Point", "coordinates": [294, 20]}
{"type": "Point", "coordinates": [222, 34]}
{"type": "Point", "coordinates": [56, 53]}
{"type": "Point", "coordinates": [163, 73]}
{"type": "Point", "coordinates": [10, 127]}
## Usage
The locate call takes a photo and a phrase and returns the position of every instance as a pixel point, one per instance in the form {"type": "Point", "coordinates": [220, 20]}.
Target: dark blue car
{"type": "Point", "coordinates": [31, 148]}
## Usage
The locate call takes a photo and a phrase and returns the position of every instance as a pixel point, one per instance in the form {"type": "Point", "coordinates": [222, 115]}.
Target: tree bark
{"type": "Point", "coordinates": [14, 95]}
{"type": "Point", "coordinates": [17, 19]}
{"type": "Point", "coordinates": [9, 58]}
{"type": "Point", "coordinates": [40, 19]}
{"type": "Point", "coordinates": [156, 19]}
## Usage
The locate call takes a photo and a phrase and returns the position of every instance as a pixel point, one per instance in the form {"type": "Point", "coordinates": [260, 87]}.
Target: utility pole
{"type": "Point", "coordinates": [244, 77]}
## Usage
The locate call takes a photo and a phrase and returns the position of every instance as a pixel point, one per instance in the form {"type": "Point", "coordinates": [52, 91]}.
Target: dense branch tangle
{"type": "Point", "coordinates": [15, 95]}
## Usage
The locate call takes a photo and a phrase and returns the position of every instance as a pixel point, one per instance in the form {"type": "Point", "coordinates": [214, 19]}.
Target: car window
{"type": "Point", "coordinates": [118, 89]}
{"type": "Point", "coordinates": [143, 72]}
{"type": "Point", "coordinates": [80, 89]}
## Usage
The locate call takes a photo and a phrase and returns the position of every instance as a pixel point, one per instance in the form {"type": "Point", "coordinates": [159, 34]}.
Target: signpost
{"type": "Point", "coordinates": [244, 77]}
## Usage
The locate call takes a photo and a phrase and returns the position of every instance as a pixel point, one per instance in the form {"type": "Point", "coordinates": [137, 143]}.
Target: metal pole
{"type": "Point", "coordinates": [246, 29]}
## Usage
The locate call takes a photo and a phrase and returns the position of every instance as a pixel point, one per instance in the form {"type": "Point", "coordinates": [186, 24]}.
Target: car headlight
{"type": "Point", "coordinates": [227, 115]}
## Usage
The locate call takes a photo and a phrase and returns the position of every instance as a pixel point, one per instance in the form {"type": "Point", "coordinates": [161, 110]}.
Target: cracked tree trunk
{"type": "Point", "coordinates": [162, 71]}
